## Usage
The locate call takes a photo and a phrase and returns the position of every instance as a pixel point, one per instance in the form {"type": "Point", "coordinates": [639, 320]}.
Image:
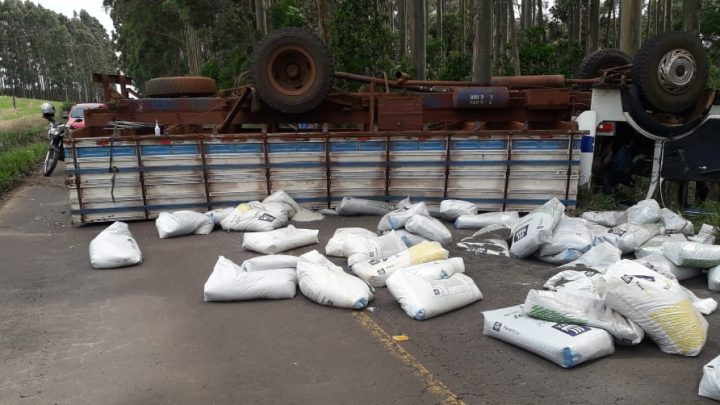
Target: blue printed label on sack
{"type": "Point", "coordinates": [569, 329]}
{"type": "Point", "coordinates": [521, 233]}
{"type": "Point", "coordinates": [266, 218]}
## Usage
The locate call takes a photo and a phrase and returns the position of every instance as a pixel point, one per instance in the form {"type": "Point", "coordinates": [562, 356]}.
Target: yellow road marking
{"type": "Point", "coordinates": [431, 383]}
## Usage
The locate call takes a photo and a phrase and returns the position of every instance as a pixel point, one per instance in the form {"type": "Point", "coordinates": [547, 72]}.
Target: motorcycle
{"type": "Point", "coordinates": [56, 135]}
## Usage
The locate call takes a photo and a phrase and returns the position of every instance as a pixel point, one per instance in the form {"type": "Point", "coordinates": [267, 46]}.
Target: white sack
{"type": "Point", "coordinates": [628, 237]}
{"type": "Point", "coordinates": [359, 249]}
{"type": "Point", "coordinates": [605, 218]}
{"type": "Point", "coordinates": [114, 247]}
{"type": "Point", "coordinates": [178, 223]}
{"type": "Point", "coordinates": [714, 278]}
{"type": "Point", "coordinates": [705, 306]}
{"type": "Point", "coordinates": [217, 215]}
{"type": "Point", "coordinates": [655, 244]}
{"type": "Point", "coordinates": [335, 245]}
{"type": "Point", "coordinates": [489, 218]}
{"type": "Point", "coordinates": [252, 217]}
{"type": "Point", "coordinates": [675, 223]}
{"type": "Point", "coordinates": [490, 240]}
{"type": "Point", "coordinates": [279, 240]}
{"type": "Point", "coordinates": [658, 304]}
{"type": "Point", "coordinates": [571, 238]}
{"type": "Point", "coordinates": [557, 307]}
{"type": "Point", "coordinates": [269, 262]}
{"type": "Point", "coordinates": [536, 228]}
{"type": "Point", "coordinates": [692, 254]}
{"type": "Point", "coordinates": [599, 258]}
{"type": "Point", "coordinates": [710, 382]}
{"type": "Point", "coordinates": [359, 206]}
{"type": "Point", "coordinates": [438, 269]}
{"type": "Point", "coordinates": [280, 201]}
{"type": "Point", "coordinates": [229, 282]}
{"type": "Point", "coordinates": [663, 265]}
{"type": "Point", "coordinates": [450, 210]}
{"type": "Point", "coordinates": [409, 238]}
{"type": "Point", "coordinates": [376, 271]}
{"type": "Point", "coordinates": [706, 234]}
{"type": "Point", "coordinates": [586, 283]}
{"type": "Point", "coordinates": [397, 219]}
{"type": "Point", "coordinates": [598, 232]}
{"type": "Point", "coordinates": [564, 344]}
{"type": "Point", "coordinates": [327, 284]}
{"type": "Point", "coordinates": [644, 212]}
{"type": "Point", "coordinates": [429, 228]}
{"type": "Point", "coordinates": [422, 298]}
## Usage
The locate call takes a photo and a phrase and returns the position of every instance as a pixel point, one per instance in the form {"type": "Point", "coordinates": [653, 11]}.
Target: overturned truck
{"type": "Point", "coordinates": [512, 143]}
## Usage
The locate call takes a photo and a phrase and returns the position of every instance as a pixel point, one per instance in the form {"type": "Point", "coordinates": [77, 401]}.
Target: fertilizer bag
{"type": "Point", "coordinates": [279, 240]}
{"type": "Point", "coordinates": [114, 247]}
{"type": "Point", "coordinates": [359, 206]}
{"type": "Point", "coordinates": [692, 254]}
{"type": "Point", "coordinates": [422, 298]}
{"type": "Point", "coordinates": [397, 219]}
{"type": "Point", "coordinates": [252, 217]}
{"type": "Point", "coordinates": [179, 223]}
{"type": "Point", "coordinates": [564, 344]}
{"type": "Point", "coordinates": [327, 284]}
{"type": "Point", "coordinates": [675, 223]}
{"type": "Point", "coordinates": [229, 282]}
{"type": "Point", "coordinates": [438, 269]}
{"type": "Point", "coordinates": [629, 237]}
{"type": "Point", "coordinates": [489, 218]}
{"type": "Point", "coordinates": [450, 210]}
{"type": "Point", "coordinates": [706, 234]}
{"type": "Point", "coordinates": [360, 249]}
{"type": "Point", "coordinates": [577, 310]}
{"type": "Point", "coordinates": [269, 262]}
{"type": "Point", "coordinates": [536, 228]}
{"type": "Point", "coordinates": [429, 228]}
{"type": "Point", "coordinates": [644, 212]}
{"type": "Point", "coordinates": [598, 258]}
{"type": "Point", "coordinates": [334, 246]}
{"type": "Point", "coordinates": [605, 218]}
{"type": "Point", "coordinates": [658, 304]}
{"type": "Point", "coordinates": [710, 383]}
{"type": "Point", "coordinates": [490, 240]}
{"type": "Point", "coordinates": [655, 244]}
{"type": "Point", "coordinates": [376, 271]}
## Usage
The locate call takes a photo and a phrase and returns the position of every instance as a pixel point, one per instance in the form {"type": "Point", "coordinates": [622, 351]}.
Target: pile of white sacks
{"type": "Point", "coordinates": [596, 300]}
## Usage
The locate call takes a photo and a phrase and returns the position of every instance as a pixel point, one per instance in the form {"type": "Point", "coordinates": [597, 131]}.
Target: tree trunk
{"type": "Point", "coordinates": [630, 26]}
{"type": "Point", "coordinates": [513, 38]}
{"type": "Point", "coordinates": [608, 23]}
{"type": "Point", "coordinates": [667, 25]}
{"type": "Point", "coordinates": [402, 25]}
{"type": "Point", "coordinates": [260, 17]}
{"type": "Point", "coordinates": [323, 20]}
{"type": "Point", "coordinates": [540, 19]}
{"type": "Point", "coordinates": [648, 21]}
{"type": "Point", "coordinates": [463, 26]}
{"type": "Point", "coordinates": [439, 25]}
{"type": "Point", "coordinates": [691, 16]}
{"type": "Point", "coordinates": [419, 39]}
{"type": "Point", "coordinates": [482, 45]}
{"type": "Point", "coordinates": [593, 39]}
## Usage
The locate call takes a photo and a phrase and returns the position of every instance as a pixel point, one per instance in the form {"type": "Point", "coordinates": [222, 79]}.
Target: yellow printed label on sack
{"type": "Point", "coordinates": [426, 252]}
{"type": "Point", "coordinates": [243, 208]}
{"type": "Point", "coordinates": [683, 324]}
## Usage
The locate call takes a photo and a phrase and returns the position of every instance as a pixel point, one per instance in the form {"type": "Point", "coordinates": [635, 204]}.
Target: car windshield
{"type": "Point", "coordinates": [78, 111]}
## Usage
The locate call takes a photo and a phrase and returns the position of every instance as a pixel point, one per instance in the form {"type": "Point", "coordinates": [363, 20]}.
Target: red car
{"type": "Point", "coordinates": [76, 118]}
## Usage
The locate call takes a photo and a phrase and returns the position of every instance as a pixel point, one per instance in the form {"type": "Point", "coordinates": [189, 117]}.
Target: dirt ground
{"type": "Point", "coordinates": [70, 334]}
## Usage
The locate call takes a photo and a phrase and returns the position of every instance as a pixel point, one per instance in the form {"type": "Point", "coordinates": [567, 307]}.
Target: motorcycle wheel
{"type": "Point", "coordinates": [51, 159]}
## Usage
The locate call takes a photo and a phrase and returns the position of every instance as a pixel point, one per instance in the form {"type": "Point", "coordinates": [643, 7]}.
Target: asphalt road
{"type": "Point", "coordinates": [70, 334]}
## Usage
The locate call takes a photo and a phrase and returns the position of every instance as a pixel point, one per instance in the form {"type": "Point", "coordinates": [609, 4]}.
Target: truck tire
{"type": "Point", "coordinates": [292, 70]}
{"type": "Point", "coordinates": [603, 59]}
{"type": "Point", "coordinates": [180, 86]}
{"type": "Point", "coordinates": [648, 121]}
{"type": "Point", "coordinates": [671, 71]}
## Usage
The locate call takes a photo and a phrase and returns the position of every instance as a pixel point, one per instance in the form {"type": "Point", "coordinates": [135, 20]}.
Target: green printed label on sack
{"type": "Point", "coordinates": [551, 315]}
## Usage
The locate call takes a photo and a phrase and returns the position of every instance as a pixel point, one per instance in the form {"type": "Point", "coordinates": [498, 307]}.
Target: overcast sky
{"type": "Point", "coordinates": [93, 7]}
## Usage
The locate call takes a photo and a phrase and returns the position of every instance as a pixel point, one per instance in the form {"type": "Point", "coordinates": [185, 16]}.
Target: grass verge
{"type": "Point", "coordinates": [19, 162]}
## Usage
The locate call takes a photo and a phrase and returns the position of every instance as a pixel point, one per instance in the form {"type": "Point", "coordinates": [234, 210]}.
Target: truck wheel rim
{"type": "Point", "coordinates": [291, 70]}
{"type": "Point", "coordinates": [676, 71]}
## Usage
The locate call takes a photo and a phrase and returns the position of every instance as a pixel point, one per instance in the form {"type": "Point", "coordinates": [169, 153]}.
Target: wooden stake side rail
{"type": "Point", "coordinates": [514, 170]}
